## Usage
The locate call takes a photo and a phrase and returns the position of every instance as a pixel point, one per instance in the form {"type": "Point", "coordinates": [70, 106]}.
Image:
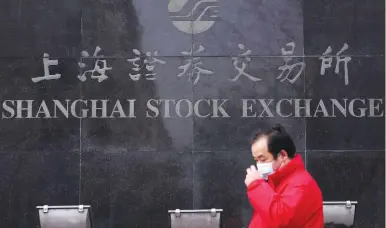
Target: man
{"type": "Point", "coordinates": [282, 193]}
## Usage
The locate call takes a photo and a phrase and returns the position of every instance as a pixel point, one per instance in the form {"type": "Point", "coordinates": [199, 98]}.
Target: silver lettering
{"type": "Point", "coordinates": [20, 109]}
{"type": "Point", "coordinates": [118, 109]}
{"type": "Point", "coordinates": [321, 108]}
{"type": "Point", "coordinates": [131, 108]}
{"type": "Point", "coordinates": [266, 107]}
{"type": "Point", "coordinates": [58, 104]}
{"type": "Point", "coordinates": [190, 108]}
{"type": "Point", "coordinates": [8, 109]}
{"type": "Point", "coordinates": [342, 109]}
{"type": "Point", "coordinates": [45, 111]}
{"type": "Point", "coordinates": [152, 108]}
{"type": "Point", "coordinates": [94, 108]}
{"type": "Point", "coordinates": [247, 108]}
{"type": "Point", "coordinates": [306, 107]}
{"type": "Point", "coordinates": [375, 107]}
{"type": "Point", "coordinates": [83, 111]}
{"type": "Point", "coordinates": [218, 108]}
{"type": "Point", "coordinates": [278, 108]}
{"type": "Point", "coordinates": [167, 106]}
{"type": "Point", "coordinates": [361, 110]}
{"type": "Point", "coordinates": [197, 108]}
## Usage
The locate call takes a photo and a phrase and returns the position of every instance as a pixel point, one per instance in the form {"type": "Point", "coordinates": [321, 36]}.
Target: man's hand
{"type": "Point", "coordinates": [252, 175]}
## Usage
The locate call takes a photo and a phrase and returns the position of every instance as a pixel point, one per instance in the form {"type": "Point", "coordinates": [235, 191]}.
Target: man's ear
{"type": "Point", "coordinates": [284, 153]}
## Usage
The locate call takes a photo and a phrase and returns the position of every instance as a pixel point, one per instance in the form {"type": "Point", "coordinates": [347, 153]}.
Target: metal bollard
{"type": "Point", "coordinates": [65, 216]}
{"type": "Point", "coordinates": [209, 218]}
{"type": "Point", "coordinates": [339, 212]}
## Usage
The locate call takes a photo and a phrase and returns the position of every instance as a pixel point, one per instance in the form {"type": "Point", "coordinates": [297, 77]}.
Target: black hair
{"type": "Point", "coordinates": [278, 140]}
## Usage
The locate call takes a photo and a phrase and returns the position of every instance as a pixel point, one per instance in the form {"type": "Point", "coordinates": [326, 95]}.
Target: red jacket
{"type": "Point", "coordinates": [290, 199]}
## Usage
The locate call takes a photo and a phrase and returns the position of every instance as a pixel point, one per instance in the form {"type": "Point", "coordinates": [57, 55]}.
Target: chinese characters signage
{"type": "Point", "coordinates": [194, 68]}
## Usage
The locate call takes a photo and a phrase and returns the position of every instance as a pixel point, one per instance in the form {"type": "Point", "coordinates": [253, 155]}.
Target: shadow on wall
{"type": "Point", "coordinates": [38, 166]}
{"type": "Point", "coordinates": [137, 134]}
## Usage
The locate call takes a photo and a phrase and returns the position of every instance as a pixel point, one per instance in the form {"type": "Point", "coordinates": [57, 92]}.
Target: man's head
{"type": "Point", "coordinates": [274, 146]}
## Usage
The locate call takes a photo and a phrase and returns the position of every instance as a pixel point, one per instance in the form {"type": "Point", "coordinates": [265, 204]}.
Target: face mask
{"type": "Point", "coordinates": [265, 169]}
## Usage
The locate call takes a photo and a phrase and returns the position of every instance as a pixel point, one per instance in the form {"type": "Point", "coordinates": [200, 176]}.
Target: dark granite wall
{"type": "Point", "coordinates": [132, 170]}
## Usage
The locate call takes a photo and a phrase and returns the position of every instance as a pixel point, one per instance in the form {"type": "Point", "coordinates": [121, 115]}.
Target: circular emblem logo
{"type": "Point", "coordinates": [193, 16]}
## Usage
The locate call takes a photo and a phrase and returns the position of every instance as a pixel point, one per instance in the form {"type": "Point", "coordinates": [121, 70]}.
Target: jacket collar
{"type": "Point", "coordinates": [294, 165]}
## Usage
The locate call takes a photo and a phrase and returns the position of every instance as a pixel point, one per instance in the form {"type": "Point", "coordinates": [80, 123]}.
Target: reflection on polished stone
{"type": "Point", "coordinates": [40, 156]}
{"type": "Point", "coordinates": [262, 26]}
{"type": "Point", "coordinates": [121, 26]}
{"type": "Point", "coordinates": [136, 189]}
{"type": "Point", "coordinates": [333, 23]}
{"type": "Point", "coordinates": [245, 117]}
{"type": "Point", "coordinates": [362, 127]}
{"type": "Point", "coordinates": [354, 176]}
{"type": "Point", "coordinates": [33, 28]}
{"type": "Point", "coordinates": [23, 127]}
{"type": "Point", "coordinates": [47, 175]}
{"type": "Point", "coordinates": [156, 126]}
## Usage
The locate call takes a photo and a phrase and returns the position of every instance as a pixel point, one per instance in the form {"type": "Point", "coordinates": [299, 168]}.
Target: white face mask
{"type": "Point", "coordinates": [265, 169]}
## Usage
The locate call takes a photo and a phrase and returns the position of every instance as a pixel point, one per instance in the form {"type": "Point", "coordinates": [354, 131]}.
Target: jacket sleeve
{"type": "Point", "coordinates": [276, 209]}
